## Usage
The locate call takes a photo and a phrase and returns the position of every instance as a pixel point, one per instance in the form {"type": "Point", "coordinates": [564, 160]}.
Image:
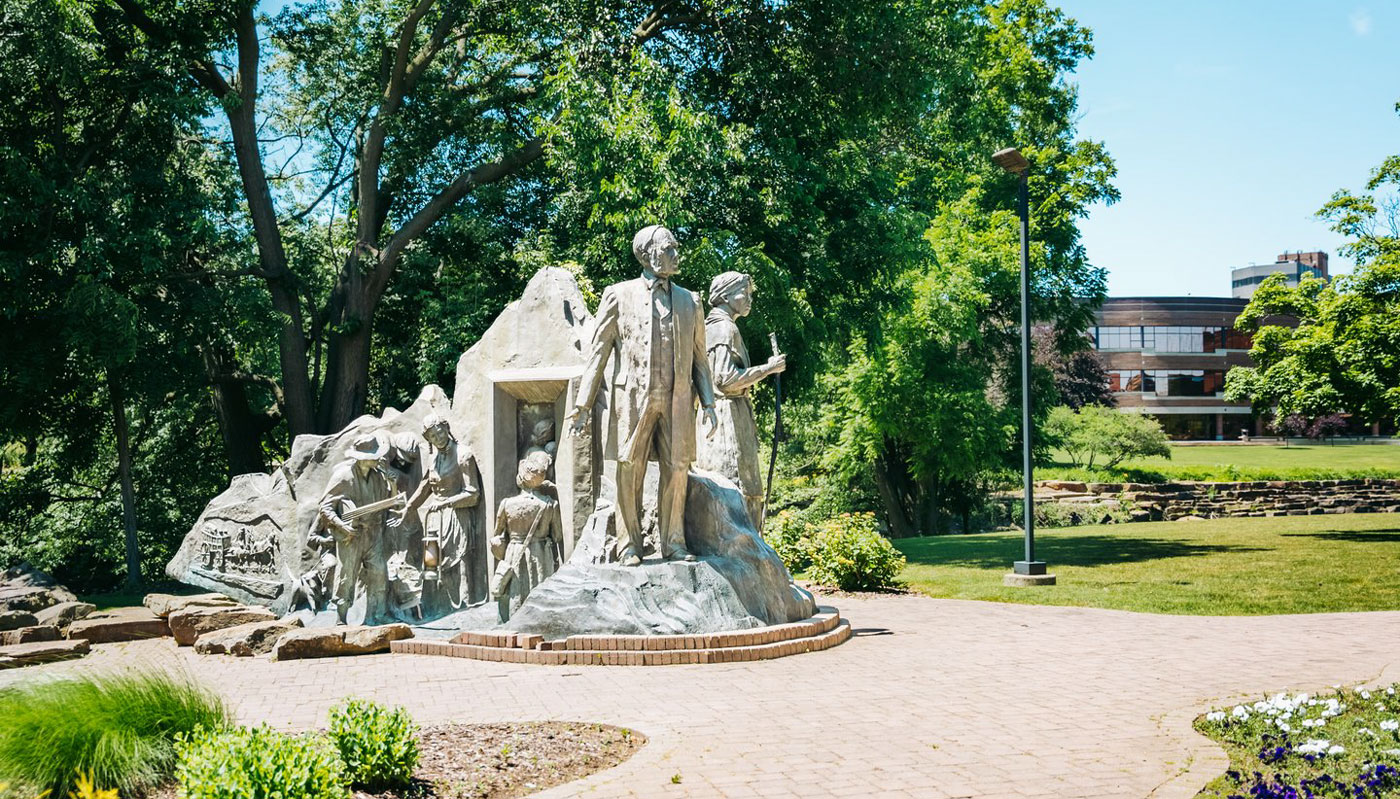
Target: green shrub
{"type": "Point", "coordinates": [1094, 432]}
{"type": "Point", "coordinates": [850, 554]}
{"type": "Point", "coordinates": [259, 763]}
{"type": "Point", "coordinates": [379, 746]}
{"type": "Point", "coordinates": [117, 729]}
{"type": "Point", "coordinates": [788, 535]}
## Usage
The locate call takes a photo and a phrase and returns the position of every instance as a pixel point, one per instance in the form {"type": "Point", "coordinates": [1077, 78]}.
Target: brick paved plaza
{"type": "Point", "coordinates": [931, 698]}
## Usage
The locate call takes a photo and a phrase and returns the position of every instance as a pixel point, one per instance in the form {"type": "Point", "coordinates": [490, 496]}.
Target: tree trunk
{"type": "Point", "coordinates": [346, 388]}
{"type": "Point", "coordinates": [929, 506]}
{"type": "Point", "coordinates": [133, 547]}
{"type": "Point", "coordinates": [240, 427]}
{"type": "Point", "coordinates": [351, 320]}
{"type": "Point", "coordinates": [900, 527]}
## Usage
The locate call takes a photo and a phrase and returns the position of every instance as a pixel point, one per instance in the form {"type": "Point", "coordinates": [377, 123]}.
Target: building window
{"type": "Point", "coordinates": [1121, 380]}
{"type": "Point", "coordinates": [1238, 340]}
{"type": "Point", "coordinates": [1198, 426]}
{"type": "Point", "coordinates": [1168, 382]}
{"type": "Point", "coordinates": [1118, 338]}
{"type": "Point", "coordinates": [1185, 382]}
{"type": "Point", "coordinates": [1170, 338]}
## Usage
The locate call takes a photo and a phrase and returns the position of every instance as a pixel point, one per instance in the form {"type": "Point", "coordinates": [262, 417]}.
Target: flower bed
{"type": "Point", "coordinates": [1298, 746]}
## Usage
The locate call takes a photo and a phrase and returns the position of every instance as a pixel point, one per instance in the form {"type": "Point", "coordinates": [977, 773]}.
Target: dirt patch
{"type": "Point", "coordinates": [501, 761]}
{"type": "Point", "coordinates": [498, 761]}
{"type": "Point", "coordinates": [831, 592]}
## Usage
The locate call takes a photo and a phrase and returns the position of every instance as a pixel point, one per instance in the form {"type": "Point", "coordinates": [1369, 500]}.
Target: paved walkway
{"type": "Point", "coordinates": [931, 698]}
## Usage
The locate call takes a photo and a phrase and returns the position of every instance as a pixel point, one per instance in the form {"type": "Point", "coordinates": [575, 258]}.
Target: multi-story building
{"type": "Point", "coordinates": [1168, 356]}
{"type": "Point", "coordinates": [1245, 279]}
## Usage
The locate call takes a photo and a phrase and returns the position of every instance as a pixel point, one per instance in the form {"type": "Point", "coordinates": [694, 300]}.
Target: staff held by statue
{"type": "Point", "coordinates": [777, 426]}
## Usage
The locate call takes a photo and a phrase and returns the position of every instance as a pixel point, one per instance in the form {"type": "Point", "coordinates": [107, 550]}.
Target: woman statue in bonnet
{"type": "Point", "coordinates": [454, 548]}
{"type": "Point", "coordinates": [733, 450]}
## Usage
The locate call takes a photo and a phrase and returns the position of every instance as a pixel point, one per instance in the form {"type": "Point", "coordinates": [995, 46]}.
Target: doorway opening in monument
{"type": "Point", "coordinates": [527, 413]}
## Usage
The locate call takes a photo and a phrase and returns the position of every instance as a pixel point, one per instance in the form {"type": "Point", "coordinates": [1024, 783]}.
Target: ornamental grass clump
{"type": "Point", "coordinates": [849, 553]}
{"type": "Point", "coordinates": [259, 763]}
{"type": "Point", "coordinates": [117, 731]}
{"type": "Point", "coordinates": [1343, 745]}
{"type": "Point", "coordinates": [379, 746]}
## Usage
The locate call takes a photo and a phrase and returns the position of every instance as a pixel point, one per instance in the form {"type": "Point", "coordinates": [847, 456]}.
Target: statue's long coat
{"type": "Point", "coordinates": [622, 330]}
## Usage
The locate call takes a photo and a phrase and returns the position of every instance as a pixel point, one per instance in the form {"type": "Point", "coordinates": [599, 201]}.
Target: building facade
{"type": "Point", "coordinates": [1168, 356]}
{"type": "Point", "coordinates": [1245, 279]}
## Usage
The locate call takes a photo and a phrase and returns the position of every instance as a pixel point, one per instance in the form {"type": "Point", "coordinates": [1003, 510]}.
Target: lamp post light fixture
{"type": "Point", "coordinates": [1029, 571]}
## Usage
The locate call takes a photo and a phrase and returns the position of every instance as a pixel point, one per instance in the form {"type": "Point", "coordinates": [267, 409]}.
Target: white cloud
{"type": "Point", "coordinates": [1360, 22]}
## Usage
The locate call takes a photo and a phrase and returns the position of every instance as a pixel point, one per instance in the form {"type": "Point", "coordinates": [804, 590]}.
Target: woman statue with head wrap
{"type": "Point", "coordinates": [454, 548]}
{"type": "Point", "coordinates": [733, 450]}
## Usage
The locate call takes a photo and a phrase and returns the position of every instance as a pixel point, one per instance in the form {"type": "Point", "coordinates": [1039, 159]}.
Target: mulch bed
{"type": "Point", "coordinates": [827, 591]}
{"type": "Point", "coordinates": [501, 761]}
{"type": "Point", "coordinates": [498, 761]}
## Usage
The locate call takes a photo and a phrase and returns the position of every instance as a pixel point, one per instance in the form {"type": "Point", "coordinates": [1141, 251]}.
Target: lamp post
{"type": "Point", "coordinates": [1029, 571]}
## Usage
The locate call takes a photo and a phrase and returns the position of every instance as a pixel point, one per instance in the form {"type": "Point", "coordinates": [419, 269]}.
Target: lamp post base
{"type": "Point", "coordinates": [1022, 580]}
{"type": "Point", "coordinates": [1028, 572]}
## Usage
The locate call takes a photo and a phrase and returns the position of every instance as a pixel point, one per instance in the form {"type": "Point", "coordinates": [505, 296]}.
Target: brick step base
{"type": "Point", "coordinates": [822, 631]}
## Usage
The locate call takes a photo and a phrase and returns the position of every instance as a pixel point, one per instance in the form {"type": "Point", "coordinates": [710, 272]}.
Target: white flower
{"type": "Point", "coordinates": [1313, 746]}
{"type": "Point", "coordinates": [1240, 712]}
{"type": "Point", "coordinates": [1283, 725]}
{"type": "Point", "coordinates": [1366, 732]}
{"type": "Point", "coordinates": [1336, 750]}
{"type": "Point", "coordinates": [1365, 694]}
{"type": "Point", "coordinates": [1390, 691]}
{"type": "Point", "coordinates": [1392, 751]}
{"type": "Point", "coordinates": [1215, 715]}
{"type": "Point", "coordinates": [1390, 725]}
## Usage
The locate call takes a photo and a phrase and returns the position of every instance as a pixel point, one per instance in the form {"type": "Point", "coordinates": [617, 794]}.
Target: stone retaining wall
{"type": "Point", "coordinates": [1107, 502]}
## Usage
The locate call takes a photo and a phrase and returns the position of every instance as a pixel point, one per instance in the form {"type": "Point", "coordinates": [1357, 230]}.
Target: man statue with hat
{"type": "Point", "coordinates": [655, 332]}
{"type": "Point", "coordinates": [355, 484]}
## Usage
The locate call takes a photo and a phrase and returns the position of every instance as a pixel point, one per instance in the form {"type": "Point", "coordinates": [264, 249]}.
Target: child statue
{"type": "Point", "coordinates": [528, 537]}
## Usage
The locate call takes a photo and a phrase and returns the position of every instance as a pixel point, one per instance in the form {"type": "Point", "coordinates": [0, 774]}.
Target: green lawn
{"type": "Point", "coordinates": [1253, 462]}
{"type": "Point", "coordinates": [1288, 564]}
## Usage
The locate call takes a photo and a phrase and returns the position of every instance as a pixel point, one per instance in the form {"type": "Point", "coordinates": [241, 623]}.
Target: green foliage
{"type": "Point", "coordinates": [1095, 432]}
{"type": "Point", "coordinates": [118, 730]}
{"type": "Point", "coordinates": [118, 217]}
{"type": "Point", "coordinates": [379, 746]}
{"type": "Point", "coordinates": [1344, 355]}
{"type": "Point", "coordinates": [849, 553]}
{"type": "Point", "coordinates": [238, 311]}
{"type": "Point", "coordinates": [258, 763]}
{"type": "Point", "coordinates": [788, 534]}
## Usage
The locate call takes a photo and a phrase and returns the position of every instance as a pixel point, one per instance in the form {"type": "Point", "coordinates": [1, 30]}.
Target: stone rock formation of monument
{"type": "Point", "coordinates": [263, 541]}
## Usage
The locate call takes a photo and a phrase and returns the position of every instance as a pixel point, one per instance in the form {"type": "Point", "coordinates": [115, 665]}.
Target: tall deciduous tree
{"type": "Point", "coordinates": [1344, 354]}
{"type": "Point", "coordinates": [373, 121]}
{"type": "Point", "coordinates": [105, 199]}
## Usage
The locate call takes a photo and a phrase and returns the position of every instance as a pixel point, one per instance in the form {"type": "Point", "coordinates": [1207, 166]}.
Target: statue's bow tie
{"type": "Point", "coordinates": [661, 283]}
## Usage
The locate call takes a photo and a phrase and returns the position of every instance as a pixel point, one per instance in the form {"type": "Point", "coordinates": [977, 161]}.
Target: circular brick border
{"type": "Point", "coordinates": [823, 630]}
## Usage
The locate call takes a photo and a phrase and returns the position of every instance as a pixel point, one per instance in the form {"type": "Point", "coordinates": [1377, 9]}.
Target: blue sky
{"type": "Point", "coordinates": [1231, 122]}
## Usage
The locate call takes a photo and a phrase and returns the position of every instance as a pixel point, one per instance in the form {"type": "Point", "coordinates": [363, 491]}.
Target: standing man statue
{"type": "Point", "coordinates": [657, 332]}
{"type": "Point", "coordinates": [733, 451]}
{"type": "Point", "coordinates": [356, 484]}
